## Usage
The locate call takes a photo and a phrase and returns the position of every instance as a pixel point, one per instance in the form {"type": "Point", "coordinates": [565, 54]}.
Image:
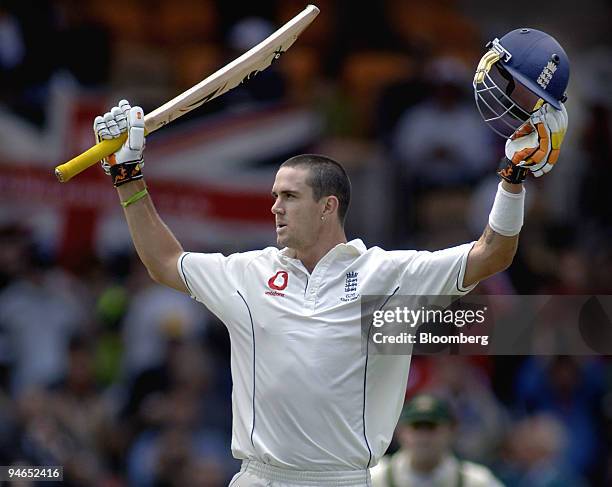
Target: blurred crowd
{"type": "Point", "coordinates": [126, 383]}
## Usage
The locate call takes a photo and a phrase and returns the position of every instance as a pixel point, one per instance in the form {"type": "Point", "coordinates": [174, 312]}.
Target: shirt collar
{"type": "Point", "coordinates": [355, 246]}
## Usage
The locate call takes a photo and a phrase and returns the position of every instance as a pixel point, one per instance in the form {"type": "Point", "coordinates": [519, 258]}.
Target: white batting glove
{"type": "Point", "coordinates": [126, 164]}
{"type": "Point", "coordinates": [536, 144]}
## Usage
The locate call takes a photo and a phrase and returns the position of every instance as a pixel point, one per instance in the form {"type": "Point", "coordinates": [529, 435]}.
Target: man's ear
{"type": "Point", "coordinates": [331, 205]}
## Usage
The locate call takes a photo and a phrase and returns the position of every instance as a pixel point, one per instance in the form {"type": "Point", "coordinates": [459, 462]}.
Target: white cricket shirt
{"type": "Point", "coordinates": [305, 396]}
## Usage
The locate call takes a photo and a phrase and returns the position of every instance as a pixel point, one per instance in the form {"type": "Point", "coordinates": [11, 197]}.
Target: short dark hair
{"type": "Point", "coordinates": [326, 178]}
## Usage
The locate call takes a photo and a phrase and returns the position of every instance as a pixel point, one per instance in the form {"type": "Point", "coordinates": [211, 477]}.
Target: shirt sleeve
{"type": "Point", "coordinates": [434, 273]}
{"type": "Point", "coordinates": [213, 279]}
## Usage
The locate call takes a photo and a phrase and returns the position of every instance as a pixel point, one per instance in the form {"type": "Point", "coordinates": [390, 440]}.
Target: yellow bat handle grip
{"type": "Point", "coordinates": [65, 172]}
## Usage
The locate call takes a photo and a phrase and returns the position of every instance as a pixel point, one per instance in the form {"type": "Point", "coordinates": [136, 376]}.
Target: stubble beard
{"type": "Point", "coordinates": [283, 241]}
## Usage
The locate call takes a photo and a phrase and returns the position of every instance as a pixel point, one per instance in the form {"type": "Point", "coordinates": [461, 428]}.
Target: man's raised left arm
{"type": "Point", "coordinates": [534, 148]}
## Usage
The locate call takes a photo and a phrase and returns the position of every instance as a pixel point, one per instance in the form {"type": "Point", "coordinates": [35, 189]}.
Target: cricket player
{"type": "Point", "coordinates": [309, 407]}
{"type": "Point", "coordinates": [425, 433]}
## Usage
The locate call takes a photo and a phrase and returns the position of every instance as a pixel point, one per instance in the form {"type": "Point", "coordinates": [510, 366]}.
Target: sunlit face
{"type": "Point", "coordinates": [427, 442]}
{"type": "Point", "coordinates": [297, 214]}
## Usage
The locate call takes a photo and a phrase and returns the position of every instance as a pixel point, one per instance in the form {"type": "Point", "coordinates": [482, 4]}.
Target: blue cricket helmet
{"type": "Point", "coordinates": [539, 62]}
{"type": "Point", "coordinates": [518, 73]}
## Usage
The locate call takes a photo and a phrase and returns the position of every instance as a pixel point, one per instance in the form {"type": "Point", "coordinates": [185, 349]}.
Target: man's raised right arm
{"type": "Point", "coordinates": [155, 244]}
{"type": "Point", "coordinates": [157, 247]}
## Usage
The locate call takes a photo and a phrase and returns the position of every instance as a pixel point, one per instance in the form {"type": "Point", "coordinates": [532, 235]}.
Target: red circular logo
{"type": "Point", "coordinates": [279, 280]}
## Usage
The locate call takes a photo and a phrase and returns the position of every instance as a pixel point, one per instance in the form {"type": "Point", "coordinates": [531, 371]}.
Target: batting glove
{"type": "Point", "coordinates": [536, 145]}
{"type": "Point", "coordinates": [126, 164]}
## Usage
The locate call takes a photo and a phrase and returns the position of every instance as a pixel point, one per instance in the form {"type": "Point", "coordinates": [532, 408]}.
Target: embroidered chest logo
{"type": "Point", "coordinates": [277, 283]}
{"type": "Point", "coordinates": [350, 287]}
{"type": "Point", "coordinates": [547, 74]}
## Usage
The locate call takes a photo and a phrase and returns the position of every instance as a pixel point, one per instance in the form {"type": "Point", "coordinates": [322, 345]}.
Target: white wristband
{"type": "Point", "coordinates": [506, 217]}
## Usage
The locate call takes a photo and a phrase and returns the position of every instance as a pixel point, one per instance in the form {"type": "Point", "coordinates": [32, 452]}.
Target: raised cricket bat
{"type": "Point", "coordinates": [238, 71]}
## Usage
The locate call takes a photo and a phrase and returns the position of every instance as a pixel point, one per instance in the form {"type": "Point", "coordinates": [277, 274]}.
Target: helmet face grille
{"type": "Point", "coordinates": [503, 103]}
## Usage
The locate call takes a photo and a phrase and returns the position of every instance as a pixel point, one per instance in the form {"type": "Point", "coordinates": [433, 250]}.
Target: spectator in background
{"type": "Point", "coordinates": [31, 35]}
{"type": "Point", "coordinates": [439, 147]}
{"type": "Point", "coordinates": [7, 406]}
{"type": "Point", "coordinates": [14, 244]}
{"type": "Point", "coordinates": [75, 25]}
{"type": "Point", "coordinates": [425, 432]}
{"type": "Point", "coordinates": [83, 416]}
{"type": "Point", "coordinates": [12, 46]}
{"type": "Point", "coordinates": [45, 75]}
{"type": "Point", "coordinates": [154, 315]}
{"type": "Point", "coordinates": [180, 421]}
{"type": "Point", "coordinates": [534, 456]}
{"type": "Point", "coordinates": [179, 461]}
{"type": "Point", "coordinates": [26, 38]}
{"type": "Point", "coordinates": [39, 311]}
{"type": "Point", "coordinates": [481, 419]}
{"type": "Point", "coordinates": [595, 199]}
{"type": "Point", "coordinates": [267, 86]}
{"type": "Point", "coordinates": [69, 424]}
{"type": "Point", "coordinates": [444, 132]}
{"type": "Point", "coordinates": [571, 391]}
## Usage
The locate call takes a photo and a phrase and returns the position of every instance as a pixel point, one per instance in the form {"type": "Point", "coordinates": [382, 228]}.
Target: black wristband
{"type": "Point", "coordinates": [510, 172]}
{"type": "Point", "coordinates": [126, 172]}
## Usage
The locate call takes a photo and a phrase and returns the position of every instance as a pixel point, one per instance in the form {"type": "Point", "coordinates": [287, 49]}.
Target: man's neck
{"type": "Point", "coordinates": [310, 257]}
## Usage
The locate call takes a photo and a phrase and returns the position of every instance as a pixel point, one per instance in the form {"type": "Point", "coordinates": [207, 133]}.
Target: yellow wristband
{"type": "Point", "coordinates": [134, 198]}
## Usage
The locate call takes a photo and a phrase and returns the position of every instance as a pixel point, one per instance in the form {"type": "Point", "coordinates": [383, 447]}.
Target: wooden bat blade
{"type": "Point", "coordinates": [238, 71]}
